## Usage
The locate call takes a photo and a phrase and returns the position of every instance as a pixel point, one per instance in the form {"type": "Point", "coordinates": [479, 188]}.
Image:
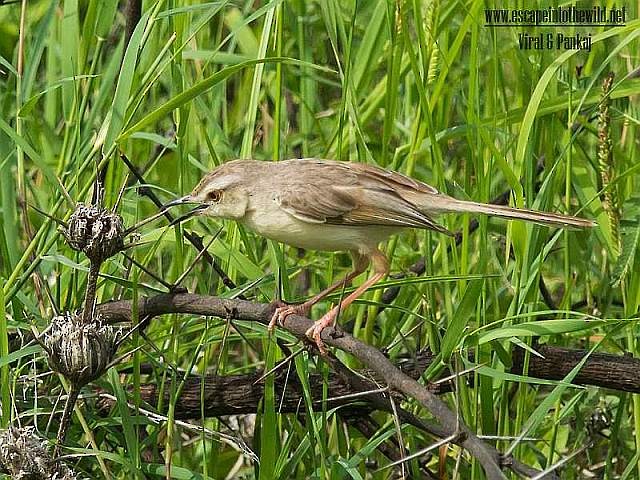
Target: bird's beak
{"type": "Point", "coordinates": [186, 200]}
{"type": "Point", "coordinates": [178, 201]}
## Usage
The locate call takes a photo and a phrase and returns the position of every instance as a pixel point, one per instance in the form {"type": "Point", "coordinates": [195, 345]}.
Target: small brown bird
{"type": "Point", "coordinates": [335, 206]}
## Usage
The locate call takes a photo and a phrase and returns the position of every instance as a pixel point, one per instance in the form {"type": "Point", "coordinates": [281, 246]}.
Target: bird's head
{"type": "Point", "coordinates": [221, 193]}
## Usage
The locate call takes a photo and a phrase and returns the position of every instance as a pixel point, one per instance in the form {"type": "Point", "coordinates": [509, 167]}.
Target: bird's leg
{"type": "Point", "coordinates": [282, 312]}
{"type": "Point", "coordinates": [360, 263]}
{"type": "Point", "coordinates": [381, 269]}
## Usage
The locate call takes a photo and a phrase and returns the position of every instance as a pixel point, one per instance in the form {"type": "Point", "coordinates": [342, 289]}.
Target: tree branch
{"type": "Point", "coordinates": [217, 395]}
{"type": "Point", "coordinates": [241, 394]}
{"type": "Point", "coordinates": [487, 456]}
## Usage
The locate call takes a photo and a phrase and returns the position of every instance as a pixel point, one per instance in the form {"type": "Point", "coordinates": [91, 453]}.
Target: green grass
{"type": "Point", "coordinates": [421, 87]}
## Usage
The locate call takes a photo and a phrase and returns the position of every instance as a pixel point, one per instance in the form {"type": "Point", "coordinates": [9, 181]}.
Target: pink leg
{"type": "Point", "coordinates": [381, 268]}
{"type": "Point", "coordinates": [360, 263]}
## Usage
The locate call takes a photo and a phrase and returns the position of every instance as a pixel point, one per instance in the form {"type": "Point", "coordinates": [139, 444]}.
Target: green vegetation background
{"type": "Point", "coordinates": [418, 86]}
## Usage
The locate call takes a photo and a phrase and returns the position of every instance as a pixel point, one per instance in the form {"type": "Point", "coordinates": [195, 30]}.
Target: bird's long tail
{"type": "Point", "coordinates": [544, 218]}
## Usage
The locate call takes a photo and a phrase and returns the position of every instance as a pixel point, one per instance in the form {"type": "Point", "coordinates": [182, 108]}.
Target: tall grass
{"type": "Point", "coordinates": [418, 86]}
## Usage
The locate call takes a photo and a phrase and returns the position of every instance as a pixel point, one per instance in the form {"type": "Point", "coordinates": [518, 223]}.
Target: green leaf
{"type": "Point", "coordinates": [629, 239]}
{"type": "Point", "coordinates": [457, 324]}
{"type": "Point", "coordinates": [6, 64]}
{"type": "Point", "coordinates": [106, 14]}
{"type": "Point", "coordinates": [214, 56]}
{"type": "Point", "coordinates": [18, 354]}
{"type": "Point", "coordinates": [630, 235]}
{"type": "Point", "coordinates": [268, 421]}
{"type": "Point", "coordinates": [542, 410]}
{"type": "Point", "coordinates": [69, 53]}
{"type": "Point", "coordinates": [5, 386]}
{"type": "Point", "coordinates": [252, 108]}
{"type": "Point", "coordinates": [27, 107]}
{"type": "Point", "coordinates": [541, 328]}
{"type": "Point", "coordinates": [123, 407]}
{"type": "Point", "coordinates": [123, 88]}
{"type": "Point", "coordinates": [352, 471]}
{"type": "Point", "coordinates": [32, 153]}
{"type": "Point", "coordinates": [513, 377]}
{"type": "Point", "coordinates": [243, 34]}
{"type": "Point", "coordinates": [177, 472]}
{"type": "Point", "coordinates": [190, 9]}
{"type": "Point", "coordinates": [66, 261]}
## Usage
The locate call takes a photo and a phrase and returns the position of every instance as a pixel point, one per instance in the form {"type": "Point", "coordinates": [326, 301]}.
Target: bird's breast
{"type": "Point", "coordinates": [278, 225]}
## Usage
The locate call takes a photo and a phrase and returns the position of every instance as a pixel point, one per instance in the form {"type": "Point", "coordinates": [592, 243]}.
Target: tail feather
{"type": "Point", "coordinates": [544, 218]}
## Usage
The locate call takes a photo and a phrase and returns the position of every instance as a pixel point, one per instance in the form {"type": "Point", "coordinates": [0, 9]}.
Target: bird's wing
{"type": "Point", "coordinates": [342, 199]}
{"type": "Point", "coordinates": [373, 175]}
{"type": "Point", "coordinates": [314, 203]}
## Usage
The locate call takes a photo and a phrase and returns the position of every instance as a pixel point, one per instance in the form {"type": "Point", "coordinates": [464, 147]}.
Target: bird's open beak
{"type": "Point", "coordinates": [186, 200]}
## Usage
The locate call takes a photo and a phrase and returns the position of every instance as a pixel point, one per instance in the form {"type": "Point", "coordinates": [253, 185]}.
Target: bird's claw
{"type": "Point", "coordinates": [315, 332]}
{"type": "Point", "coordinates": [282, 311]}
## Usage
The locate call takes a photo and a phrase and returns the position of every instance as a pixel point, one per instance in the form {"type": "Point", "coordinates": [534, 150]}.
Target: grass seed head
{"type": "Point", "coordinates": [96, 232]}
{"type": "Point", "coordinates": [606, 159]}
{"type": "Point", "coordinates": [80, 351]}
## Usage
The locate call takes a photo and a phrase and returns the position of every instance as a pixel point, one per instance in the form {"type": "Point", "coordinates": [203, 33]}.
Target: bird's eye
{"type": "Point", "coordinates": [214, 196]}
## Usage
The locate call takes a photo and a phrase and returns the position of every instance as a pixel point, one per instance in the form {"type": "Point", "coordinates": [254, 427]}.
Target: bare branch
{"type": "Point", "coordinates": [487, 456]}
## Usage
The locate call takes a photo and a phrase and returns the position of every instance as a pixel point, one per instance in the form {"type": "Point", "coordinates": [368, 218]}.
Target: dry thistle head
{"type": "Point", "coordinates": [25, 456]}
{"type": "Point", "coordinates": [80, 351]}
{"type": "Point", "coordinates": [96, 232]}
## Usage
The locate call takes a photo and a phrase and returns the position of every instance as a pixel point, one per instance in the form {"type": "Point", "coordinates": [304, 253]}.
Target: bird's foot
{"type": "Point", "coordinates": [315, 332]}
{"type": "Point", "coordinates": [283, 310]}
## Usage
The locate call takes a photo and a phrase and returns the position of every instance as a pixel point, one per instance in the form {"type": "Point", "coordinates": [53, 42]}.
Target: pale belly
{"type": "Point", "coordinates": [318, 236]}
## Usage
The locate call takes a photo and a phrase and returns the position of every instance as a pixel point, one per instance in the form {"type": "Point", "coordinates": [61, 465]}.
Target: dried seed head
{"type": "Point", "coordinates": [25, 456]}
{"type": "Point", "coordinates": [95, 231]}
{"type": "Point", "coordinates": [80, 351]}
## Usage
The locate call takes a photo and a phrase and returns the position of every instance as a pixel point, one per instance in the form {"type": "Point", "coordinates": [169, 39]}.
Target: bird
{"type": "Point", "coordinates": [330, 205]}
